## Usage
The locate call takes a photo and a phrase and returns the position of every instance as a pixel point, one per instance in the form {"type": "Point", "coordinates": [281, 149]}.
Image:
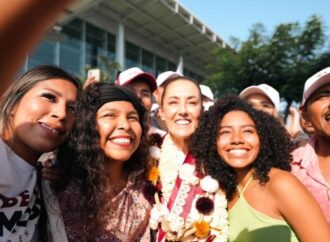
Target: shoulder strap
{"type": "Point", "coordinates": [245, 187]}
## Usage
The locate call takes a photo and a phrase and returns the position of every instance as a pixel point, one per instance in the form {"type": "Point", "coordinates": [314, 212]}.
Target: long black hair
{"type": "Point", "coordinates": [82, 159]}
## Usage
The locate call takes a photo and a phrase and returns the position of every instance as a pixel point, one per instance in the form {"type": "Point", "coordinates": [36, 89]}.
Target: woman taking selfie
{"type": "Point", "coordinates": [37, 112]}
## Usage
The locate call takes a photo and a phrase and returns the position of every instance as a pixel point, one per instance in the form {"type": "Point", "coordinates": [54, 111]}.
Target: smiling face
{"type": "Point", "coordinates": [238, 142]}
{"type": "Point", "coordinates": [42, 118]}
{"type": "Point", "coordinates": [317, 111]}
{"type": "Point", "coordinates": [119, 129]}
{"type": "Point", "coordinates": [181, 108]}
{"type": "Point", "coordinates": [143, 91]}
{"type": "Point", "coordinates": [262, 103]}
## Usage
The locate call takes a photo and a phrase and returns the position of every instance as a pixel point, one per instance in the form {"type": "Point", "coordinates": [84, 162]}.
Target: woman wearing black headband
{"type": "Point", "coordinates": [104, 163]}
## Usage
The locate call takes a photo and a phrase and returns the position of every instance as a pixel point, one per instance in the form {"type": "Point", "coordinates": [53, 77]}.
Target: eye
{"type": "Point", "coordinates": [72, 108]}
{"type": "Point", "coordinates": [224, 132]}
{"type": "Point", "coordinates": [133, 118]}
{"type": "Point", "coordinates": [193, 103]}
{"type": "Point", "coordinates": [248, 131]}
{"type": "Point", "coordinates": [109, 115]}
{"type": "Point", "coordinates": [49, 96]}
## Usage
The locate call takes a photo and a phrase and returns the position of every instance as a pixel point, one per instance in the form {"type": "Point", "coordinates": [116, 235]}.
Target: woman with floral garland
{"type": "Point", "coordinates": [191, 206]}
{"type": "Point", "coordinates": [248, 152]}
{"type": "Point", "coordinates": [105, 162]}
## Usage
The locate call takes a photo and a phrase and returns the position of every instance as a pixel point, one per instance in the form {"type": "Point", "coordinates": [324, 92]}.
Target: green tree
{"type": "Point", "coordinates": [284, 59]}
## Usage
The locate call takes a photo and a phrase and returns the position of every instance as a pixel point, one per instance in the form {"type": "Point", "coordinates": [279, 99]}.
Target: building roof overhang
{"type": "Point", "coordinates": [166, 22]}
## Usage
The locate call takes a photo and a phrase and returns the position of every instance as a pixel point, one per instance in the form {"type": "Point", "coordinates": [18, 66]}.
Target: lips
{"type": "Point", "coordinates": [54, 130]}
{"type": "Point", "coordinates": [121, 140]}
{"type": "Point", "coordinates": [238, 152]}
{"type": "Point", "coordinates": [183, 121]}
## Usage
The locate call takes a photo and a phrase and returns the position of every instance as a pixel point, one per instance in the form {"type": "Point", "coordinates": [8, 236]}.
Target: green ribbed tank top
{"type": "Point", "coordinates": [248, 225]}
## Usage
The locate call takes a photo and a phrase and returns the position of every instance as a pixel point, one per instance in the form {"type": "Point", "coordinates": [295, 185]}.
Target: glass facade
{"type": "Point", "coordinates": [83, 46]}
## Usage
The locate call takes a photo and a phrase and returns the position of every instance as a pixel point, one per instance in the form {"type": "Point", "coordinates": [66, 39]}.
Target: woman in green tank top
{"type": "Point", "coordinates": [248, 151]}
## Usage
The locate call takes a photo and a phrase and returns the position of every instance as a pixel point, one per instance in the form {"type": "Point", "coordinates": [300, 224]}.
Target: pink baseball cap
{"type": "Point", "coordinates": [313, 83]}
{"type": "Point", "coordinates": [133, 74]}
{"type": "Point", "coordinates": [264, 89]}
{"type": "Point", "coordinates": [163, 77]}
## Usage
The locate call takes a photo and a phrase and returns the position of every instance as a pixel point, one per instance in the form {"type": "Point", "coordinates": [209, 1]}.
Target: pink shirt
{"type": "Point", "coordinates": [305, 166]}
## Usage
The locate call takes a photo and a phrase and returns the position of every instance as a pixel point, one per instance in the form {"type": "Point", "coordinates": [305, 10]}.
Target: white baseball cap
{"type": "Point", "coordinates": [163, 77]}
{"type": "Point", "coordinates": [132, 74]}
{"type": "Point", "coordinates": [207, 92]}
{"type": "Point", "coordinates": [313, 83]}
{"type": "Point", "coordinates": [264, 89]}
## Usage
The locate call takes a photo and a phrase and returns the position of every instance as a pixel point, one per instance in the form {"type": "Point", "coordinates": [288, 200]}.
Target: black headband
{"type": "Point", "coordinates": [111, 93]}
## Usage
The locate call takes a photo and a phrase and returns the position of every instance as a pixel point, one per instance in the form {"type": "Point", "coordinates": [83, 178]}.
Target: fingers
{"type": "Point", "coordinates": [89, 81]}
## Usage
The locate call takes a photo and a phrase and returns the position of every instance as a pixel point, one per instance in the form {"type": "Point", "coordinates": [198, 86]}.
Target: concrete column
{"type": "Point", "coordinates": [180, 66]}
{"type": "Point", "coordinates": [120, 45]}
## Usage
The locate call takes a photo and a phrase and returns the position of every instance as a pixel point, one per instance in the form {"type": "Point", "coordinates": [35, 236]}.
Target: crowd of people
{"type": "Point", "coordinates": [155, 158]}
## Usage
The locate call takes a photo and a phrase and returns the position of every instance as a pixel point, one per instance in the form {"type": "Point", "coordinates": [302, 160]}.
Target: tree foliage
{"type": "Point", "coordinates": [283, 59]}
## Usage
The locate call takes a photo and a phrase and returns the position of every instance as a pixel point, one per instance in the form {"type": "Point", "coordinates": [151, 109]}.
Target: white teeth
{"type": "Point", "coordinates": [121, 140]}
{"type": "Point", "coordinates": [182, 122]}
{"type": "Point", "coordinates": [49, 128]}
{"type": "Point", "coordinates": [237, 151]}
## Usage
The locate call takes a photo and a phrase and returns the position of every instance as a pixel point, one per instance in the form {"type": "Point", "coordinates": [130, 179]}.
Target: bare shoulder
{"type": "Point", "coordinates": [283, 183]}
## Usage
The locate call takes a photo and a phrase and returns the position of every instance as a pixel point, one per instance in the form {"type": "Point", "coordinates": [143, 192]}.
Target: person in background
{"type": "Point", "coordinates": [23, 20]}
{"type": "Point", "coordinates": [143, 83]}
{"type": "Point", "coordinates": [103, 164]}
{"type": "Point", "coordinates": [263, 97]}
{"type": "Point", "coordinates": [37, 113]}
{"type": "Point", "coordinates": [248, 152]}
{"type": "Point", "coordinates": [311, 162]}
{"type": "Point", "coordinates": [207, 97]}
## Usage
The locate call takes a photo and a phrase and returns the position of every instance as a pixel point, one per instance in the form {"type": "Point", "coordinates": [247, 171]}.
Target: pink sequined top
{"type": "Point", "coordinates": [127, 219]}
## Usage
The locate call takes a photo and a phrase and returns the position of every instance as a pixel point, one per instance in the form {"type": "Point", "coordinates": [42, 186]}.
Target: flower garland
{"type": "Point", "coordinates": [207, 219]}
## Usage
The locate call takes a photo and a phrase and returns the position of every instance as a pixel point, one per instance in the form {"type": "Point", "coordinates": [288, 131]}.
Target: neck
{"type": "Point", "coordinates": [22, 150]}
{"type": "Point", "coordinates": [243, 176]}
{"type": "Point", "coordinates": [182, 144]}
{"type": "Point", "coordinates": [117, 174]}
{"type": "Point", "coordinates": [322, 146]}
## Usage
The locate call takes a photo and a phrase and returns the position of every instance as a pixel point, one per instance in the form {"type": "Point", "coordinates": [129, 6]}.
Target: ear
{"type": "Point", "coordinates": [161, 113]}
{"type": "Point", "coordinates": [303, 112]}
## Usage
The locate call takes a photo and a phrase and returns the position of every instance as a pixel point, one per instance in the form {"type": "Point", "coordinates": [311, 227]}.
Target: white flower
{"type": "Point", "coordinates": [158, 212]}
{"type": "Point", "coordinates": [154, 152]}
{"type": "Point", "coordinates": [186, 173]}
{"type": "Point", "coordinates": [210, 185]}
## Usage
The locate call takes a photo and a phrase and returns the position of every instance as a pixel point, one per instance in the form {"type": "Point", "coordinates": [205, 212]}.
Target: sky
{"type": "Point", "coordinates": [234, 18]}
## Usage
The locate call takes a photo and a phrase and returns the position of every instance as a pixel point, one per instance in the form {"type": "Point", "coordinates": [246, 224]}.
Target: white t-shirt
{"type": "Point", "coordinates": [20, 201]}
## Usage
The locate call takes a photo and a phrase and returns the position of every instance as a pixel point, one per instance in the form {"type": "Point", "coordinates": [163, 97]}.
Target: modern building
{"type": "Point", "coordinates": [155, 35]}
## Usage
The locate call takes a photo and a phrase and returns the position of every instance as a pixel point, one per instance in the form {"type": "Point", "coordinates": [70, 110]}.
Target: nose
{"type": "Point", "coordinates": [59, 111]}
{"type": "Point", "coordinates": [182, 108]}
{"type": "Point", "coordinates": [237, 138]}
{"type": "Point", "coordinates": [123, 123]}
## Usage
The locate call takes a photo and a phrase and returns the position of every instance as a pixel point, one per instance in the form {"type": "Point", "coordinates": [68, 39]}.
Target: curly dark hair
{"type": "Point", "coordinates": [81, 157]}
{"type": "Point", "coordinates": [275, 144]}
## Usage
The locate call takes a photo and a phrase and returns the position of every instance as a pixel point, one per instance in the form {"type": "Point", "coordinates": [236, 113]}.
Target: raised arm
{"type": "Point", "coordinates": [22, 24]}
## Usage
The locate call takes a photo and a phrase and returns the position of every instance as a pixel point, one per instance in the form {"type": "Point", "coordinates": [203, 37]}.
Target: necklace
{"type": "Point", "coordinates": [192, 207]}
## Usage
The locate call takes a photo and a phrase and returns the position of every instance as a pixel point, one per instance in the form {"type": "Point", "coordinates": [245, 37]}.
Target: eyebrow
{"type": "Point", "coordinates": [178, 97]}
{"type": "Point", "coordinates": [243, 126]}
{"type": "Point", "coordinates": [57, 93]}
